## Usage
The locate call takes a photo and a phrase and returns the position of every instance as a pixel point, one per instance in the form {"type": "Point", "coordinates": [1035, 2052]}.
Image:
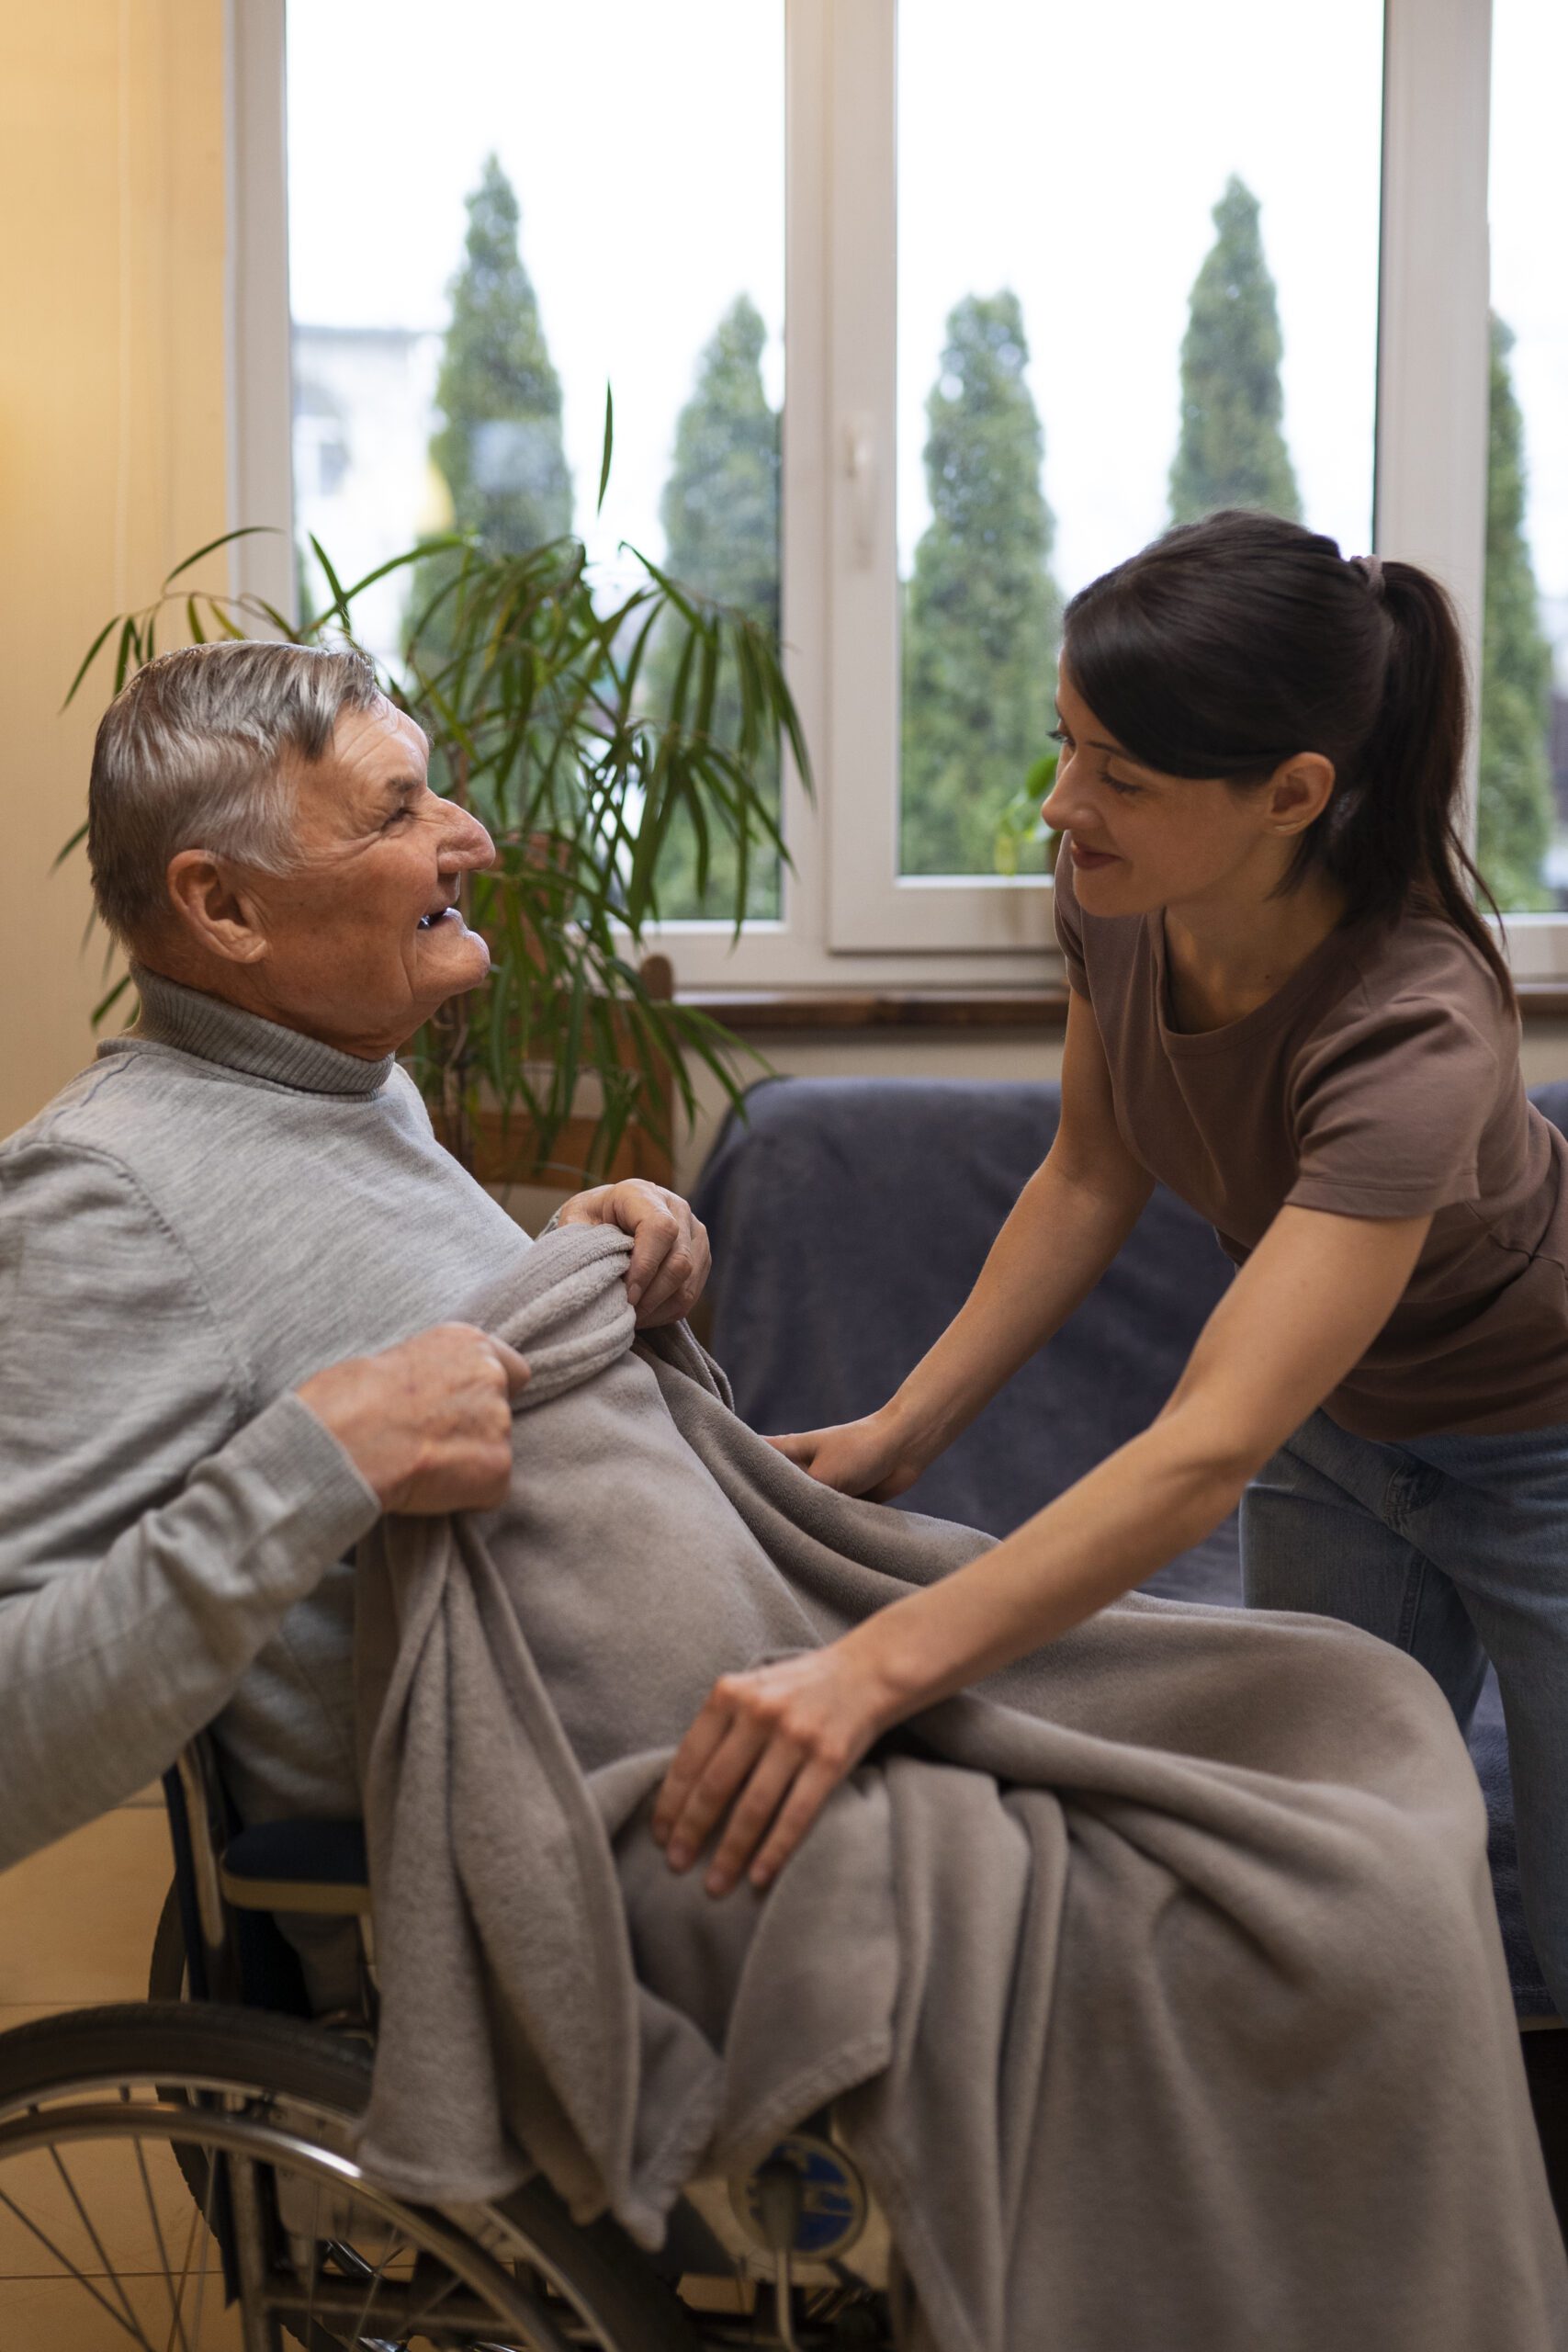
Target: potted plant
{"type": "Point", "coordinates": [530, 682]}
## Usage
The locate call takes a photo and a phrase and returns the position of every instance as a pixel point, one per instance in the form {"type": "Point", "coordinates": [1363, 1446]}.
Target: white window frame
{"type": "Point", "coordinates": [849, 921]}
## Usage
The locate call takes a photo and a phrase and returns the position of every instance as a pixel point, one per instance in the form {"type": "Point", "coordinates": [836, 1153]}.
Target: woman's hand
{"type": "Point", "coordinates": [670, 1257]}
{"type": "Point", "coordinates": [876, 1457]}
{"type": "Point", "coordinates": [770, 1746]}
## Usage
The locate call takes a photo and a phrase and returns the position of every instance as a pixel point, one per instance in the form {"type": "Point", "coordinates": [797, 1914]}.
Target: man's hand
{"type": "Point", "coordinates": [670, 1257]}
{"type": "Point", "coordinates": [428, 1423]}
{"type": "Point", "coordinates": [769, 1748]}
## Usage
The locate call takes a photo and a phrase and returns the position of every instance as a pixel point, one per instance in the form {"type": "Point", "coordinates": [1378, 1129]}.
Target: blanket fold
{"type": "Point", "coordinates": [1156, 1980]}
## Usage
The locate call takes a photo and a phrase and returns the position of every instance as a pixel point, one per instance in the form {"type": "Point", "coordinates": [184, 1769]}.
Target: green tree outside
{"type": "Point", "coordinates": [720, 512]}
{"type": "Point", "coordinates": [499, 448]}
{"type": "Point", "coordinates": [1514, 812]}
{"type": "Point", "coordinates": [1231, 450]}
{"type": "Point", "coordinates": [982, 612]}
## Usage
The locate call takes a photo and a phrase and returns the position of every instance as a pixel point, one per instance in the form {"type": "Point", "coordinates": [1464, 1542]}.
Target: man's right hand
{"type": "Point", "coordinates": [873, 1457]}
{"type": "Point", "coordinates": [428, 1423]}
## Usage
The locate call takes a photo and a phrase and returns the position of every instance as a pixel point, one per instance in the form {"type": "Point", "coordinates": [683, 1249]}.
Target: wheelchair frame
{"type": "Point", "coordinates": [727, 2239]}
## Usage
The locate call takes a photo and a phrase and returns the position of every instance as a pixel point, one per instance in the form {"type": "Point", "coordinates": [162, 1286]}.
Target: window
{"type": "Point", "coordinates": [1066, 254]}
{"type": "Point", "coordinates": [499, 208]}
{"type": "Point", "coordinates": [1522, 794]}
{"type": "Point", "coordinates": [1125, 298]}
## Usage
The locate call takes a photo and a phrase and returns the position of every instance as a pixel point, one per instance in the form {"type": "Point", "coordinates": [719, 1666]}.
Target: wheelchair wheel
{"type": "Point", "coordinates": [175, 2160]}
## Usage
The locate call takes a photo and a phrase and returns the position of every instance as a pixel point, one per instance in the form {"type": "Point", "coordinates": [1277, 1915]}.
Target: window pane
{"type": "Point", "coordinates": [494, 209]}
{"type": "Point", "coordinates": [1124, 298]}
{"type": "Point", "coordinates": [1523, 801]}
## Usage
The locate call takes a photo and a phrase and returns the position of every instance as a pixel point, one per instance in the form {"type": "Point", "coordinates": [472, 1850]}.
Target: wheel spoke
{"type": "Point", "coordinates": [130, 2326]}
{"type": "Point", "coordinates": [315, 2258]}
{"type": "Point", "coordinates": [208, 2241]}
{"type": "Point", "coordinates": [403, 2279]}
{"type": "Point", "coordinates": [178, 2327]}
{"type": "Point", "coordinates": [185, 2274]}
{"type": "Point", "coordinates": [374, 2288]}
{"type": "Point", "coordinates": [417, 2318]}
{"type": "Point", "coordinates": [110, 2273]}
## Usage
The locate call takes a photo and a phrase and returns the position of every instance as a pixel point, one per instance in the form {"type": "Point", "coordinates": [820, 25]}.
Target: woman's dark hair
{"type": "Point", "coordinates": [1231, 644]}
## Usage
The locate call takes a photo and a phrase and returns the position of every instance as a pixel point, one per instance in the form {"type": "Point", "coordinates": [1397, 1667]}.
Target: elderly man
{"type": "Point", "coordinates": [227, 1246]}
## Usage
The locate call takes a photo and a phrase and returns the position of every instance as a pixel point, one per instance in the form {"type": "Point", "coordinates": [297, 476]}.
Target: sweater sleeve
{"type": "Point", "coordinates": [156, 1530]}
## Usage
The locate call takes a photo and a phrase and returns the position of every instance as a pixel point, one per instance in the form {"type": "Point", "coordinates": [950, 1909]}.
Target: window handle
{"type": "Point", "coordinates": [860, 470]}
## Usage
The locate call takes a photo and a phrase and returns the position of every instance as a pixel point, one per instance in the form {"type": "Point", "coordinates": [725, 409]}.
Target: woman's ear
{"type": "Point", "coordinates": [213, 910]}
{"type": "Point", "coordinates": [1299, 792]}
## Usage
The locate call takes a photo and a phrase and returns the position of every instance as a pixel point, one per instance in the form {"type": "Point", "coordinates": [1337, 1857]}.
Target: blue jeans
{"type": "Point", "coordinates": [1455, 1548]}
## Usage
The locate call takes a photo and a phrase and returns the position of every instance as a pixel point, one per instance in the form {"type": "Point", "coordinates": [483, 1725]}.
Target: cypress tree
{"type": "Point", "coordinates": [982, 614]}
{"type": "Point", "coordinates": [1515, 801]}
{"type": "Point", "coordinates": [720, 512]}
{"type": "Point", "coordinates": [498, 450]}
{"type": "Point", "coordinates": [1231, 451]}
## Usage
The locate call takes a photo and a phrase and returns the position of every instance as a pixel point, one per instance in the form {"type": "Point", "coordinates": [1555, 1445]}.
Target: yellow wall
{"type": "Point", "coordinates": [112, 459]}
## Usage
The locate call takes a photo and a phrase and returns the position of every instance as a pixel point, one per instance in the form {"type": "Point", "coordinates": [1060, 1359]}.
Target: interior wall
{"type": "Point", "coordinates": [112, 441]}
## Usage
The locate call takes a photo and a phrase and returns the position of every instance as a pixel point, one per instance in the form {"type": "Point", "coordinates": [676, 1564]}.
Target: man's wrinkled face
{"type": "Point", "coordinates": [364, 941]}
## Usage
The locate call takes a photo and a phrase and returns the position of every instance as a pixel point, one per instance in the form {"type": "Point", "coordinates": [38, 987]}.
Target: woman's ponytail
{"type": "Point", "coordinates": [1397, 840]}
{"type": "Point", "coordinates": [1231, 644]}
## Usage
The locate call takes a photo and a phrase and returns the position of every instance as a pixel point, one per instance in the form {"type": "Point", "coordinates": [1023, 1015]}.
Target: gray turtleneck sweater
{"type": "Point", "coordinates": [214, 1210]}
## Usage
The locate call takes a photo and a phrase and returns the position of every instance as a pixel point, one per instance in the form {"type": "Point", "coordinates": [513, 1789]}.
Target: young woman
{"type": "Point", "coordinates": [1286, 1007]}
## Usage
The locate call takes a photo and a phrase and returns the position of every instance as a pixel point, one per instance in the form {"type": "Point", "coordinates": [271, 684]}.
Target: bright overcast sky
{"type": "Point", "coordinates": [1071, 151]}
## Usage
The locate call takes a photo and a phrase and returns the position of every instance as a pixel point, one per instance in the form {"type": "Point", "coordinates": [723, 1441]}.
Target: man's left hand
{"type": "Point", "coordinates": [670, 1257]}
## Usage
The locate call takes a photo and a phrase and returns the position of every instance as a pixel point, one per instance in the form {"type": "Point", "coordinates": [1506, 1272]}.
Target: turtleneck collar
{"type": "Point", "coordinates": [213, 1031]}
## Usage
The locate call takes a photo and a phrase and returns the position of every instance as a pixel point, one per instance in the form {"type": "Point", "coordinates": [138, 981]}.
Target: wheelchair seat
{"type": "Point", "coordinates": [318, 1867]}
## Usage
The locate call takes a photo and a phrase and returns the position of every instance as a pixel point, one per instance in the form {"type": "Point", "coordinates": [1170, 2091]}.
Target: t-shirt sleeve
{"type": "Point", "coordinates": [1069, 922]}
{"type": "Point", "coordinates": [1390, 1112]}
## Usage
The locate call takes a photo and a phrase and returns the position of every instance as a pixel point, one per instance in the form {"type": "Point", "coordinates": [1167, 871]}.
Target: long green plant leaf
{"type": "Point", "coordinates": [609, 448]}
{"type": "Point", "coordinates": [535, 698]}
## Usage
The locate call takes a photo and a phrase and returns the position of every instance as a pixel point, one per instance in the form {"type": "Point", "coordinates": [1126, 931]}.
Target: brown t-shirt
{"type": "Point", "coordinates": [1382, 1081]}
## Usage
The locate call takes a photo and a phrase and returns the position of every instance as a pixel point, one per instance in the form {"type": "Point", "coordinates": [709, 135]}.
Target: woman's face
{"type": "Point", "coordinates": [1142, 840]}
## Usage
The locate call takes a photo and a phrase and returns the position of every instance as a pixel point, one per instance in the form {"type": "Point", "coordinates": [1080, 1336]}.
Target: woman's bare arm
{"type": "Point", "coordinates": [774, 1743]}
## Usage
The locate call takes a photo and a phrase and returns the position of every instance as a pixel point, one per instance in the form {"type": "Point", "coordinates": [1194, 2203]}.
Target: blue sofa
{"type": "Point", "coordinates": [849, 1219]}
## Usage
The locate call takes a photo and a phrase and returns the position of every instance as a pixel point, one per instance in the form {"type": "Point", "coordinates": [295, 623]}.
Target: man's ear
{"type": "Point", "coordinates": [213, 910]}
{"type": "Point", "coordinates": [1299, 792]}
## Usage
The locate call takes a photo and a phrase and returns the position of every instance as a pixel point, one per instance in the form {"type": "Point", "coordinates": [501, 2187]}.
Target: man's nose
{"type": "Point", "coordinates": [467, 846]}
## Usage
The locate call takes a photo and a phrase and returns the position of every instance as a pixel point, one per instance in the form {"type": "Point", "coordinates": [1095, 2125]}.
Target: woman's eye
{"type": "Point", "coordinates": [1060, 735]}
{"type": "Point", "coordinates": [1125, 791]}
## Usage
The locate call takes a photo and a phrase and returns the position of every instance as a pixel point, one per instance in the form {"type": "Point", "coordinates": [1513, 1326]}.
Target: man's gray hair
{"type": "Point", "coordinates": [194, 753]}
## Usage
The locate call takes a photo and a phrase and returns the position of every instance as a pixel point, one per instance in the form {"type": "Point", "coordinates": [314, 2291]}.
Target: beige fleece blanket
{"type": "Point", "coordinates": [1158, 1979]}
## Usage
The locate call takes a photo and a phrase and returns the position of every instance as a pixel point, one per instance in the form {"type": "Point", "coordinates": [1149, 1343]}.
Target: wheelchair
{"type": "Point", "coordinates": [190, 2163]}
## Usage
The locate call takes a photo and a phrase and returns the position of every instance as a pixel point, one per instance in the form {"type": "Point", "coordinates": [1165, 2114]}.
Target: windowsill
{"type": "Point", "coordinates": [750, 1012]}
{"type": "Point", "coordinates": [775, 1011]}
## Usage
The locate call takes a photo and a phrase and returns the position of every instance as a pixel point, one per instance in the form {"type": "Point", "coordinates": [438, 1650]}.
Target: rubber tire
{"type": "Point", "coordinates": [166, 1970]}
{"type": "Point", "coordinates": [157, 2041]}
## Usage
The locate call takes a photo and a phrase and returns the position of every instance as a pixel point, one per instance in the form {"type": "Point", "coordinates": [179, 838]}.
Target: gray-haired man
{"type": "Point", "coordinates": [224, 1248]}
